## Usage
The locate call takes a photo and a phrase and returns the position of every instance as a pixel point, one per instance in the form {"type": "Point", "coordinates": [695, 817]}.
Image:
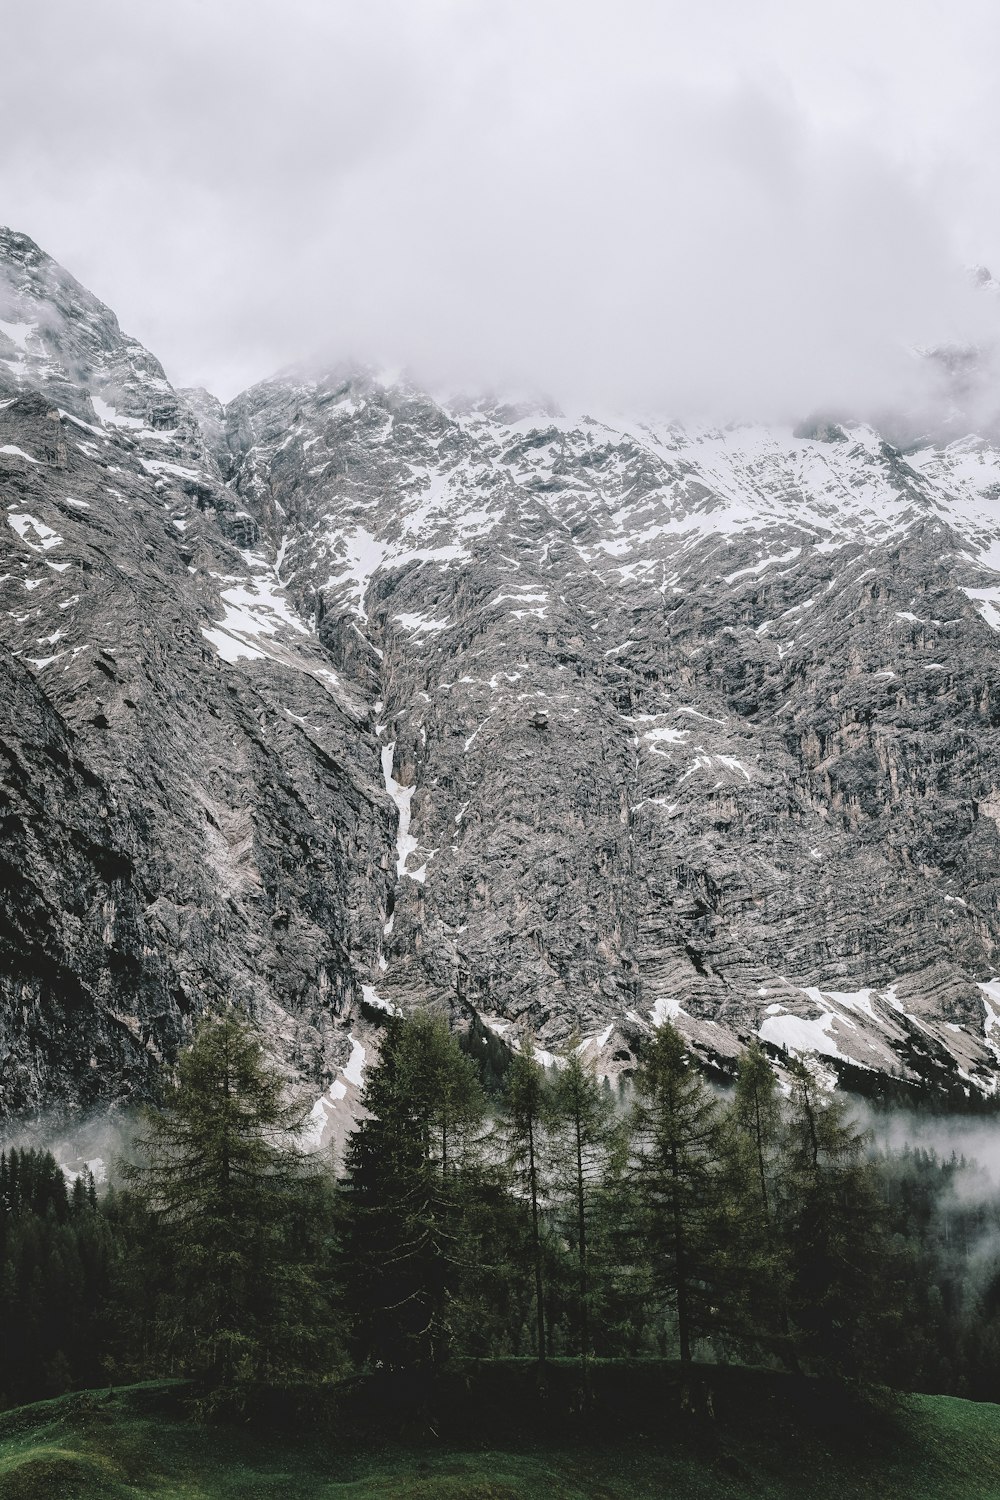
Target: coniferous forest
{"type": "Point", "coordinates": [538, 1216]}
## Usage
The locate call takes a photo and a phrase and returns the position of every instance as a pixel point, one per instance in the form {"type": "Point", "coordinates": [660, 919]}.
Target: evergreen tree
{"type": "Point", "coordinates": [242, 1214]}
{"type": "Point", "coordinates": [142, 1277]}
{"type": "Point", "coordinates": [526, 1107]}
{"type": "Point", "coordinates": [834, 1224]}
{"type": "Point", "coordinates": [582, 1119]}
{"type": "Point", "coordinates": [630, 1320]}
{"type": "Point", "coordinates": [56, 1266]}
{"type": "Point", "coordinates": [675, 1165]}
{"type": "Point", "coordinates": [750, 1204]}
{"type": "Point", "coordinates": [413, 1167]}
{"type": "Point", "coordinates": [33, 1180]}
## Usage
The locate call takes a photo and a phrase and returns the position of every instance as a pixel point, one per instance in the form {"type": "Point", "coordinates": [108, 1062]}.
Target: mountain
{"type": "Point", "coordinates": [350, 695]}
{"type": "Point", "coordinates": [176, 827]}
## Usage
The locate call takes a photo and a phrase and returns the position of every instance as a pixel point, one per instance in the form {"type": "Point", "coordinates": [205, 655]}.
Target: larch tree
{"type": "Point", "coordinates": [583, 1120]}
{"type": "Point", "coordinates": [241, 1214]}
{"type": "Point", "coordinates": [526, 1108]}
{"type": "Point", "coordinates": [676, 1147]}
{"type": "Point", "coordinates": [412, 1165]}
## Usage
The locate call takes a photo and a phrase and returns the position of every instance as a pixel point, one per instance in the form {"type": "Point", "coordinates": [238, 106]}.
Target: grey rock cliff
{"type": "Point", "coordinates": [181, 829]}
{"type": "Point", "coordinates": [349, 696]}
{"type": "Point", "coordinates": [699, 724]}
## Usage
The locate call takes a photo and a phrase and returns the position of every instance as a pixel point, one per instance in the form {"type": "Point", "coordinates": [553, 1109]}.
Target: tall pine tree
{"type": "Point", "coordinates": [750, 1211]}
{"type": "Point", "coordinates": [675, 1165]}
{"type": "Point", "coordinates": [583, 1119]}
{"type": "Point", "coordinates": [242, 1213]}
{"type": "Point", "coordinates": [412, 1165]}
{"type": "Point", "coordinates": [834, 1228]}
{"type": "Point", "coordinates": [526, 1110]}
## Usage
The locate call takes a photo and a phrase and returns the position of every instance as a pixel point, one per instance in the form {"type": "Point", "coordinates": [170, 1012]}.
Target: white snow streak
{"type": "Point", "coordinates": [402, 796]}
{"type": "Point", "coordinates": [22, 523]}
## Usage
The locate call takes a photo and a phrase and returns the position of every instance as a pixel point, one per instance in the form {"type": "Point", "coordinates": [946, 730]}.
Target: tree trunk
{"type": "Point", "coordinates": [680, 1263]}
{"type": "Point", "coordinates": [759, 1137]}
{"type": "Point", "coordinates": [536, 1237]}
{"type": "Point", "coordinates": [581, 1212]}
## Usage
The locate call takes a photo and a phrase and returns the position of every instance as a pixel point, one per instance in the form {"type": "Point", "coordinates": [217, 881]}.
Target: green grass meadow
{"type": "Point", "coordinates": [139, 1442]}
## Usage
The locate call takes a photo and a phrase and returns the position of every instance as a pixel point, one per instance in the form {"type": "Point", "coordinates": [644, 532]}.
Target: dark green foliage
{"type": "Point", "coordinates": [413, 1170]}
{"type": "Point", "coordinates": [834, 1232]}
{"type": "Point", "coordinates": [750, 1219]}
{"type": "Point", "coordinates": [582, 1128]}
{"type": "Point", "coordinates": [629, 1319]}
{"type": "Point", "coordinates": [525, 1113]}
{"type": "Point", "coordinates": [561, 1220]}
{"type": "Point", "coordinates": [58, 1265]}
{"type": "Point", "coordinates": [242, 1218]}
{"type": "Point", "coordinates": [32, 1181]}
{"type": "Point", "coordinates": [676, 1152]}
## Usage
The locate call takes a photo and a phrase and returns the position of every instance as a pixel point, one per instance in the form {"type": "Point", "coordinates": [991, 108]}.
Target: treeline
{"type": "Point", "coordinates": [547, 1218]}
{"type": "Point", "coordinates": [557, 1224]}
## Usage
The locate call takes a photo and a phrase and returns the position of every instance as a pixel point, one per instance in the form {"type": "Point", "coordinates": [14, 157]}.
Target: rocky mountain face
{"type": "Point", "coordinates": [347, 696]}
{"type": "Point", "coordinates": [176, 825]}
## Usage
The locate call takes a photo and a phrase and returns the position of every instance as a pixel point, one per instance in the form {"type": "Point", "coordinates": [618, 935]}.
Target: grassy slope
{"type": "Point", "coordinates": [99, 1448]}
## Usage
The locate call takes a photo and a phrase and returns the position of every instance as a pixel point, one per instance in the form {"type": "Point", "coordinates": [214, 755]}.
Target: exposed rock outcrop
{"type": "Point", "coordinates": [199, 817]}
{"type": "Point", "coordinates": [678, 722]}
{"type": "Point", "coordinates": [347, 696]}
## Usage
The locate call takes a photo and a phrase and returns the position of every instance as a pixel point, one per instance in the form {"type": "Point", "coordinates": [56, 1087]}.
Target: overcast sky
{"type": "Point", "coordinates": [731, 203]}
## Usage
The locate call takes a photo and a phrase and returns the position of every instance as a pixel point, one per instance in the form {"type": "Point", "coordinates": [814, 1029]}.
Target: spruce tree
{"type": "Point", "coordinates": [57, 1255]}
{"type": "Point", "coordinates": [749, 1230]}
{"type": "Point", "coordinates": [630, 1317]}
{"type": "Point", "coordinates": [412, 1165]}
{"type": "Point", "coordinates": [241, 1212]}
{"type": "Point", "coordinates": [582, 1119]}
{"type": "Point", "coordinates": [834, 1226]}
{"type": "Point", "coordinates": [675, 1166]}
{"type": "Point", "coordinates": [526, 1109]}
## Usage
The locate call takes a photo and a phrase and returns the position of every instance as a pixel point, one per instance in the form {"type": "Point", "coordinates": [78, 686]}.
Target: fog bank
{"type": "Point", "coordinates": [730, 211]}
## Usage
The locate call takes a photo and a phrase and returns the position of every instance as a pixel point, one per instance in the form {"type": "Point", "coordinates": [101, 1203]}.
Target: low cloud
{"type": "Point", "coordinates": [93, 1141]}
{"type": "Point", "coordinates": [971, 1139]}
{"type": "Point", "coordinates": [667, 207]}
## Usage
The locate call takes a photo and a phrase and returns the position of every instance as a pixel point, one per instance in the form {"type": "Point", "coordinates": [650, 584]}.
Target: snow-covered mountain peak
{"type": "Point", "coordinates": [393, 471]}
